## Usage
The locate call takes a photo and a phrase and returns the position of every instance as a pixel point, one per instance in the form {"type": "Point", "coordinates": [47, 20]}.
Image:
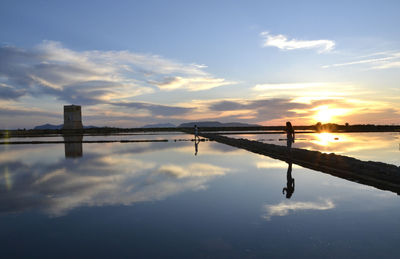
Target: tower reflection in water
{"type": "Point", "coordinates": [73, 146]}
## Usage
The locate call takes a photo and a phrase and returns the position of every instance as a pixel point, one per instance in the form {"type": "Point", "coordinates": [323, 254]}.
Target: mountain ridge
{"type": "Point", "coordinates": [215, 124]}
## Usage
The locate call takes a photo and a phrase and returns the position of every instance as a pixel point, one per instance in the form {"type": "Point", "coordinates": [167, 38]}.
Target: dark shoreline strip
{"type": "Point", "coordinates": [107, 130]}
{"type": "Point", "coordinates": [84, 141]}
{"type": "Point", "coordinates": [379, 175]}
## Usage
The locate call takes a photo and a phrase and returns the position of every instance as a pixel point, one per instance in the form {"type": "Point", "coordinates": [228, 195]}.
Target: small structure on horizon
{"type": "Point", "coordinates": [72, 117]}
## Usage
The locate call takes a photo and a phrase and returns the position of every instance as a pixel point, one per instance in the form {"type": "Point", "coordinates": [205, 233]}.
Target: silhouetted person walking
{"type": "Point", "coordinates": [289, 134]}
{"type": "Point", "coordinates": [289, 189]}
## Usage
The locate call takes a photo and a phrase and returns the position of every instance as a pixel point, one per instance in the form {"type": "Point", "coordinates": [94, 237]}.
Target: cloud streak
{"type": "Point", "coordinates": [107, 83]}
{"type": "Point", "coordinates": [288, 86]}
{"type": "Point", "coordinates": [263, 109]}
{"type": "Point", "coordinates": [11, 112]}
{"type": "Point", "coordinates": [191, 84]}
{"type": "Point", "coordinates": [9, 93]}
{"type": "Point", "coordinates": [382, 60]}
{"type": "Point", "coordinates": [276, 111]}
{"type": "Point", "coordinates": [282, 42]}
{"type": "Point", "coordinates": [91, 77]}
{"type": "Point", "coordinates": [156, 109]}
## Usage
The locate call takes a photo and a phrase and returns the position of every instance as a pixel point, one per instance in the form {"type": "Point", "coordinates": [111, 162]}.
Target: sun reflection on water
{"type": "Point", "coordinates": [326, 138]}
{"type": "Point", "coordinates": [7, 179]}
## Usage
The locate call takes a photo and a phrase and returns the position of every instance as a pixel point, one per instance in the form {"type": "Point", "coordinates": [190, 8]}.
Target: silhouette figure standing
{"type": "Point", "coordinates": [289, 189]}
{"type": "Point", "coordinates": [196, 132]}
{"type": "Point", "coordinates": [289, 134]}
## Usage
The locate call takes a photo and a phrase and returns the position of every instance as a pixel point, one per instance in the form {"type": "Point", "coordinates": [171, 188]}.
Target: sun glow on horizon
{"type": "Point", "coordinates": [325, 114]}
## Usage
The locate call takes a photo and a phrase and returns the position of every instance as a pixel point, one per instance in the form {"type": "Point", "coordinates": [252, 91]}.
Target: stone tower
{"type": "Point", "coordinates": [72, 117]}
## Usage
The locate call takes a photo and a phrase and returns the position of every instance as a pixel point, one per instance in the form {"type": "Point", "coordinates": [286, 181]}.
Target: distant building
{"type": "Point", "coordinates": [72, 117]}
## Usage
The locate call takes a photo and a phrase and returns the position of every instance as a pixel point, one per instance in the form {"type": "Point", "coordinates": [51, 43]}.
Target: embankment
{"type": "Point", "coordinates": [380, 175]}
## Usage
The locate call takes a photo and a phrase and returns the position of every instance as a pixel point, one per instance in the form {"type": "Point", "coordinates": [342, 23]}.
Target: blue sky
{"type": "Point", "coordinates": [131, 63]}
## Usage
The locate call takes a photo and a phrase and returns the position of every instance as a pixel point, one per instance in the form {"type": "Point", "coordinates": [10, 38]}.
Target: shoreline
{"type": "Point", "coordinates": [332, 128]}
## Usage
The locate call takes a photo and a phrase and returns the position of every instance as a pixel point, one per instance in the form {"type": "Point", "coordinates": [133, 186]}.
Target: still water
{"type": "Point", "coordinates": [119, 200]}
{"type": "Point", "coordinates": [371, 146]}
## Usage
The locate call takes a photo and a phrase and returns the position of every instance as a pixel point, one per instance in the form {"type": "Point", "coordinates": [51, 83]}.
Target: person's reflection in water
{"type": "Point", "coordinates": [196, 146]}
{"type": "Point", "coordinates": [289, 189]}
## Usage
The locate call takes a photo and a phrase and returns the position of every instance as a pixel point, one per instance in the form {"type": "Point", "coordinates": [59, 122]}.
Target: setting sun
{"type": "Point", "coordinates": [326, 114]}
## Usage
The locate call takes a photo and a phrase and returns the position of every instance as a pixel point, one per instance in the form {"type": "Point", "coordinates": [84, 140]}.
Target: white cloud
{"type": "Point", "coordinates": [192, 84]}
{"type": "Point", "coordinates": [387, 65]}
{"type": "Point", "coordinates": [282, 42]}
{"type": "Point", "coordinates": [287, 86]}
{"type": "Point", "coordinates": [51, 74]}
{"type": "Point", "coordinates": [307, 91]}
{"type": "Point", "coordinates": [285, 207]}
{"type": "Point", "coordinates": [92, 77]}
{"type": "Point", "coordinates": [382, 60]}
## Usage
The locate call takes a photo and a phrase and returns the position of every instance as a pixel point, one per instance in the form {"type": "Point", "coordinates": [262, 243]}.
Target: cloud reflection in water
{"type": "Point", "coordinates": [285, 207]}
{"type": "Point", "coordinates": [97, 179]}
{"type": "Point", "coordinates": [192, 170]}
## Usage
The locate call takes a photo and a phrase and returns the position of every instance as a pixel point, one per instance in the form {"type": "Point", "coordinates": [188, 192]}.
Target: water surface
{"type": "Point", "coordinates": [370, 146]}
{"type": "Point", "coordinates": [165, 200]}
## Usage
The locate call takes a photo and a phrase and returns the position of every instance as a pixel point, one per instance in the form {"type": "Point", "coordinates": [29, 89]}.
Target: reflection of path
{"type": "Point", "coordinates": [73, 146]}
{"type": "Point", "coordinates": [290, 182]}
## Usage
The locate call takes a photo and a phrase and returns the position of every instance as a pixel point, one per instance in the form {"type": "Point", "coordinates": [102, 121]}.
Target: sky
{"type": "Point", "coordinates": [133, 63]}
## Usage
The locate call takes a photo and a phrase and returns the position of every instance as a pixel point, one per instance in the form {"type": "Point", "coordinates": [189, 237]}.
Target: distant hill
{"type": "Point", "coordinates": [160, 125]}
{"type": "Point", "coordinates": [216, 124]}
{"type": "Point", "coordinates": [90, 127]}
{"type": "Point", "coordinates": [48, 126]}
{"type": "Point", "coordinates": [57, 127]}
